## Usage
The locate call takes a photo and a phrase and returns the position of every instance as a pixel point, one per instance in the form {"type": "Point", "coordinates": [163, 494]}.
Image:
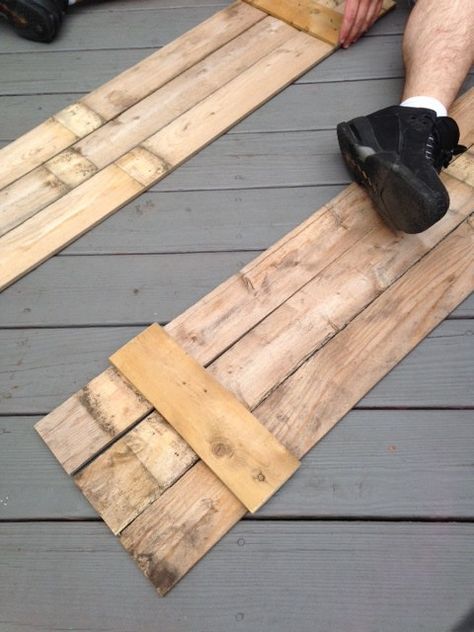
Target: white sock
{"type": "Point", "coordinates": [426, 102]}
{"type": "Point", "coordinates": [71, 2]}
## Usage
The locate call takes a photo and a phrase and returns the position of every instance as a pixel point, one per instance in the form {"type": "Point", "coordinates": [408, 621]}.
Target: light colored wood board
{"type": "Point", "coordinates": [313, 577]}
{"type": "Point", "coordinates": [310, 402]}
{"type": "Point", "coordinates": [99, 149]}
{"type": "Point", "coordinates": [212, 421]}
{"type": "Point", "coordinates": [42, 235]}
{"type": "Point", "coordinates": [48, 376]}
{"type": "Point", "coordinates": [137, 82]}
{"type": "Point", "coordinates": [309, 16]}
{"type": "Point", "coordinates": [149, 25]}
{"type": "Point", "coordinates": [301, 50]}
{"type": "Point", "coordinates": [262, 359]}
{"type": "Point", "coordinates": [377, 463]}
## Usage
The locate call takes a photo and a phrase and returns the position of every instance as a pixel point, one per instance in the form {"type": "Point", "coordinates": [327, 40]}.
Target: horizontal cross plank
{"type": "Point", "coordinates": [228, 438]}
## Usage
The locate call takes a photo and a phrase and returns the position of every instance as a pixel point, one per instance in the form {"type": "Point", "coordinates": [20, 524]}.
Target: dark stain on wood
{"type": "Point", "coordinates": [91, 403]}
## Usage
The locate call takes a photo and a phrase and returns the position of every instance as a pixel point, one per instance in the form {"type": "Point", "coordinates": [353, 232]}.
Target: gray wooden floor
{"type": "Point", "coordinates": [375, 533]}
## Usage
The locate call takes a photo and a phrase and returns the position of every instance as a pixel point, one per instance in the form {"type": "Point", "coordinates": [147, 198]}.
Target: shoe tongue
{"type": "Point", "coordinates": [448, 132]}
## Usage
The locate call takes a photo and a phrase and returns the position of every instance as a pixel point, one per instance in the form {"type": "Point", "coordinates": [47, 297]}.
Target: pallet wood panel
{"type": "Point", "coordinates": [323, 576]}
{"type": "Point", "coordinates": [378, 463]}
{"type": "Point", "coordinates": [212, 421]}
{"type": "Point", "coordinates": [263, 359]}
{"type": "Point", "coordinates": [128, 88]}
{"type": "Point", "coordinates": [172, 145]}
{"type": "Point", "coordinates": [308, 404]}
{"type": "Point", "coordinates": [75, 165]}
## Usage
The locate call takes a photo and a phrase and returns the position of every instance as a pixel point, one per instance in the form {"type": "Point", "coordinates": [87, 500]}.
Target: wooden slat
{"type": "Point", "coordinates": [178, 141]}
{"type": "Point", "coordinates": [97, 150]}
{"type": "Point", "coordinates": [308, 405]}
{"type": "Point", "coordinates": [126, 89]}
{"type": "Point", "coordinates": [225, 435]}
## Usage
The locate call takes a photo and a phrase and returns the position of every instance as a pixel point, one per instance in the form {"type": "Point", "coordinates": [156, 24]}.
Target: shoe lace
{"type": "Point", "coordinates": [441, 149]}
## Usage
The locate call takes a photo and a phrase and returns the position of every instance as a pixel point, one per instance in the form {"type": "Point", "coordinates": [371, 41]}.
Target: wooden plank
{"type": "Point", "coordinates": [128, 88]}
{"type": "Point", "coordinates": [344, 575]}
{"type": "Point", "coordinates": [229, 439]}
{"type": "Point", "coordinates": [378, 463]}
{"type": "Point", "coordinates": [175, 141]}
{"type": "Point", "coordinates": [308, 404]}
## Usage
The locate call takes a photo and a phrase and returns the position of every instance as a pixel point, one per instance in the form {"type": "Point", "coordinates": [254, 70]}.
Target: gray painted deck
{"type": "Point", "coordinates": [375, 532]}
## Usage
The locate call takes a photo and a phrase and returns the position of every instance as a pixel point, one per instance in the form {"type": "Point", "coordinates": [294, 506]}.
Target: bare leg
{"type": "Point", "coordinates": [438, 48]}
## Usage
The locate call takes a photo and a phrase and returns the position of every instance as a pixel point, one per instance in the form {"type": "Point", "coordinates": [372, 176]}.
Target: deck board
{"type": "Point", "coordinates": [386, 461]}
{"type": "Point", "coordinates": [262, 576]}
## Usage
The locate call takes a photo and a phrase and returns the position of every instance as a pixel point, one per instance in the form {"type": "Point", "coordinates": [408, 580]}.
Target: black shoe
{"type": "Point", "coordinates": [37, 20]}
{"type": "Point", "coordinates": [397, 154]}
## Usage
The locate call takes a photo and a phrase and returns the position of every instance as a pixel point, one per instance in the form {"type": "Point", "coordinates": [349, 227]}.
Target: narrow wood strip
{"type": "Point", "coordinates": [307, 15]}
{"type": "Point", "coordinates": [215, 322]}
{"type": "Point", "coordinates": [308, 405]}
{"type": "Point", "coordinates": [78, 163]}
{"type": "Point", "coordinates": [262, 359]}
{"type": "Point", "coordinates": [80, 119]}
{"type": "Point", "coordinates": [179, 141]}
{"type": "Point", "coordinates": [225, 435]}
{"type": "Point", "coordinates": [128, 88]}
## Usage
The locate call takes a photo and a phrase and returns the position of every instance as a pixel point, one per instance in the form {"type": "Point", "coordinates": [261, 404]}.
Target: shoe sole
{"type": "Point", "coordinates": [403, 200]}
{"type": "Point", "coordinates": [31, 20]}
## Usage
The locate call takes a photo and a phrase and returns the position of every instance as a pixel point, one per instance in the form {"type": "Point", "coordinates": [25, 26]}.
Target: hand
{"type": "Point", "coordinates": [359, 15]}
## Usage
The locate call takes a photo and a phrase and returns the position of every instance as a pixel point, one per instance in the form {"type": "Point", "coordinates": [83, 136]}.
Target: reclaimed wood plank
{"type": "Point", "coordinates": [126, 89]}
{"type": "Point", "coordinates": [212, 421]}
{"type": "Point", "coordinates": [378, 463]}
{"type": "Point", "coordinates": [322, 576]}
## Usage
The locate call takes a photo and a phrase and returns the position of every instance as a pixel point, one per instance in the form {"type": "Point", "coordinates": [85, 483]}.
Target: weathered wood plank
{"type": "Point", "coordinates": [212, 421]}
{"type": "Point", "coordinates": [376, 463]}
{"type": "Point", "coordinates": [322, 577]}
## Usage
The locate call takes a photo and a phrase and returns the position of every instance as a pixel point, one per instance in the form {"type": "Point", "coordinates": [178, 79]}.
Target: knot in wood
{"type": "Point", "coordinates": [221, 449]}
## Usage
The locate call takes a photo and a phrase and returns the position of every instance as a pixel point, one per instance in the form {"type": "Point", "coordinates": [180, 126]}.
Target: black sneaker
{"type": "Point", "coordinates": [37, 20]}
{"type": "Point", "coordinates": [397, 154]}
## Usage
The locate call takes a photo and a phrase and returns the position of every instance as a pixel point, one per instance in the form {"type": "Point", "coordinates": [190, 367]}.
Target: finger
{"type": "Point", "coordinates": [350, 14]}
{"type": "Point", "coordinates": [374, 13]}
{"type": "Point", "coordinates": [358, 24]}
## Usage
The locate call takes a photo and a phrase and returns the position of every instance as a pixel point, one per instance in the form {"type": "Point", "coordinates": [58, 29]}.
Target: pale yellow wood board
{"type": "Point", "coordinates": [224, 434]}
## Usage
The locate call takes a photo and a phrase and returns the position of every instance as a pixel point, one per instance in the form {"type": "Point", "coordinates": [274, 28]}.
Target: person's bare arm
{"type": "Point", "coordinates": [359, 15]}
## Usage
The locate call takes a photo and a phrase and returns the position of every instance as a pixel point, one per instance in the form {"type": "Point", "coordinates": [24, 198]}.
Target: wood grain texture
{"type": "Point", "coordinates": [312, 400]}
{"type": "Point", "coordinates": [283, 574]}
{"type": "Point", "coordinates": [212, 421]}
{"type": "Point", "coordinates": [129, 87]}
